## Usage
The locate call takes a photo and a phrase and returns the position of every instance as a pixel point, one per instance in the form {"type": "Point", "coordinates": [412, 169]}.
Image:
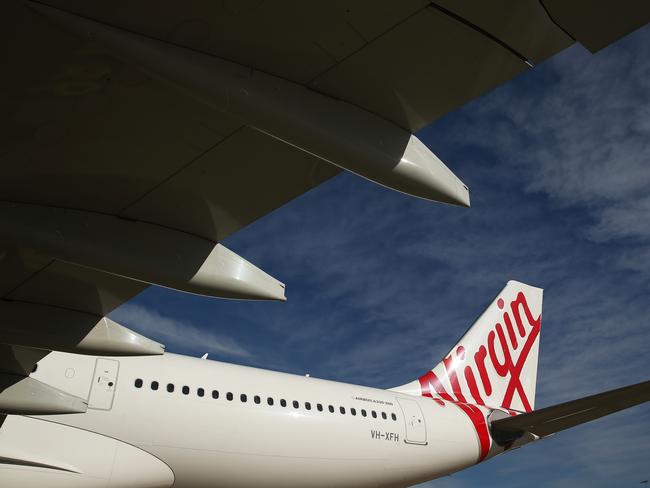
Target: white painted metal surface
{"type": "Point", "coordinates": [206, 440]}
{"type": "Point", "coordinates": [416, 430]}
{"type": "Point", "coordinates": [38, 453]}
{"type": "Point", "coordinates": [104, 385]}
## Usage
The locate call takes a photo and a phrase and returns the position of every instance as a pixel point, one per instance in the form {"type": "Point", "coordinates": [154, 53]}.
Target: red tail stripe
{"type": "Point", "coordinates": [515, 372]}
{"type": "Point", "coordinates": [473, 387]}
{"type": "Point", "coordinates": [479, 358]}
{"type": "Point", "coordinates": [478, 420]}
{"type": "Point", "coordinates": [453, 379]}
{"type": "Point", "coordinates": [429, 383]}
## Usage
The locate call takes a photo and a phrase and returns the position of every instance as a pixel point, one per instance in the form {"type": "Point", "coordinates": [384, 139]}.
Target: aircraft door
{"type": "Point", "coordinates": [416, 429]}
{"type": "Point", "coordinates": [104, 384]}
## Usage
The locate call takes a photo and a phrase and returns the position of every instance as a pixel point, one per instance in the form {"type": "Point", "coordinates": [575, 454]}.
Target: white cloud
{"type": "Point", "coordinates": [629, 218]}
{"type": "Point", "coordinates": [582, 138]}
{"type": "Point", "coordinates": [176, 333]}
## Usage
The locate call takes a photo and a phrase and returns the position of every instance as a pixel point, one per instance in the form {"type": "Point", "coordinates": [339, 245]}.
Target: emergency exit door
{"type": "Point", "coordinates": [104, 384]}
{"type": "Point", "coordinates": [416, 430]}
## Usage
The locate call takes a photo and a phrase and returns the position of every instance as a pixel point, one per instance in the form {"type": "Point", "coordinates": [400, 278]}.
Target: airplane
{"type": "Point", "coordinates": [137, 139]}
{"type": "Point", "coordinates": [171, 420]}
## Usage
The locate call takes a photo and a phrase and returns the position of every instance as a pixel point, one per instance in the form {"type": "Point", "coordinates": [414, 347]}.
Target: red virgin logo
{"type": "Point", "coordinates": [495, 356]}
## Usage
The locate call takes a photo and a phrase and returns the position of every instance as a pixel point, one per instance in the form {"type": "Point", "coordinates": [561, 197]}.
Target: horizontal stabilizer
{"type": "Point", "coordinates": [553, 419]}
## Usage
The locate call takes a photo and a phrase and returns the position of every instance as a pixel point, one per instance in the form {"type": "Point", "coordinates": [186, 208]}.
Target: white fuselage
{"type": "Point", "coordinates": [371, 438]}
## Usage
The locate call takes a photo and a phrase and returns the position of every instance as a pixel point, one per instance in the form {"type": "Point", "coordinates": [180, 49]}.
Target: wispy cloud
{"type": "Point", "coordinates": [580, 136]}
{"type": "Point", "coordinates": [628, 218]}
{"type": "Point", "coordinates": [179, 334]}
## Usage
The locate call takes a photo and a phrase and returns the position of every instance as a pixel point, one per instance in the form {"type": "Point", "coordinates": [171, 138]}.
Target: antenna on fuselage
{"type": "Point", "coordinates": [205, 356]}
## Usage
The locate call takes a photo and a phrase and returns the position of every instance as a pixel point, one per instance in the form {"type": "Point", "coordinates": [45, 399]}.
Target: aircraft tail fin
{"type": "Point", "coordinates": [495, 362]}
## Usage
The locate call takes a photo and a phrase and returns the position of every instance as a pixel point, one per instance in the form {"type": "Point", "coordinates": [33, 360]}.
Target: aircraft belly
{"type": "Point", "coordinates": [36, 453]}
{"type": "Point", "coordinates": [248, 446]}
{"type": "Point", "coordinates": [208, 469]}
{"type": "Point", "coordinates": [285, 450]}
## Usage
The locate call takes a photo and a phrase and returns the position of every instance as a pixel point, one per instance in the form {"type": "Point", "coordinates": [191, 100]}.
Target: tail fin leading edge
{"type": "Point", "coordinates": [495, 362]}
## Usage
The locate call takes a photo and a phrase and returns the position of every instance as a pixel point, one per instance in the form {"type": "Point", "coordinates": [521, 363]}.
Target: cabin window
{"type": "Point", "coordinates": [342, 410]}
{"type": "Point", "coordinates": [243, 397]}
{"type": "Point", "coordinates": [374, 414]}
{"type": "Point", "coordinates": [154, 385]}
{"type": "Point", "coordinates": [215, 394]}
{"type": "Point", "coordinates": [353, 411]}
{"type": "Point", "coordinates": [229, 396]}
{"type": "Point", "coordinates": [170, 387]}
{"type": "Point", "coordinates": [138, 383]}
{"type": "Point", "coordinates": [363, 413]}
{"type": "Point", "coordinates": [331, 409]}
{"type": "Point", "coordinates": [393, 416]}
{"type": "Point", "coordinates": [186, 390]}
{"type": "Point", "coordinates": [200, 392]}
{"type": "Point", "coordinates": [296, 404]}
{"type": "Point", "coordinates": [307, 406]}
{"type": "Point", "coordinates": [269, 400]}
{"type": "Point", "coordinates": [257, 399]}
{"type": "Point", "coordinates": [283, 402]}
{"type": "Point", "coordinates": [383, 415]}
{"type": "Point", "coordinates": [319, 407]}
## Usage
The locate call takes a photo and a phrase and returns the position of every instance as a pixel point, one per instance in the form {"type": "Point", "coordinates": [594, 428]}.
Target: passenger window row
{"type": "Point", "coordinates": [200, 392]}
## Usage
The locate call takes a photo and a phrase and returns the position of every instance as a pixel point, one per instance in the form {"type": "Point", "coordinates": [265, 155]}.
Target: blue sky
{"type": "Point", "coordinates": [381, 285]}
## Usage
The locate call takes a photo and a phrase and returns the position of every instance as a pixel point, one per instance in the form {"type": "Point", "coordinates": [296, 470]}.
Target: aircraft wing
{"type": "Point", "coordinates": [88, 135]}
{"type": "Point", "coordinates": [556, 418]}
{"type": "Point", "coordinates": [112, 181]}
{"type": "Point", "coordinates": [409, 62]}
{"type": "Point", "coordinates": [136, 136]}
